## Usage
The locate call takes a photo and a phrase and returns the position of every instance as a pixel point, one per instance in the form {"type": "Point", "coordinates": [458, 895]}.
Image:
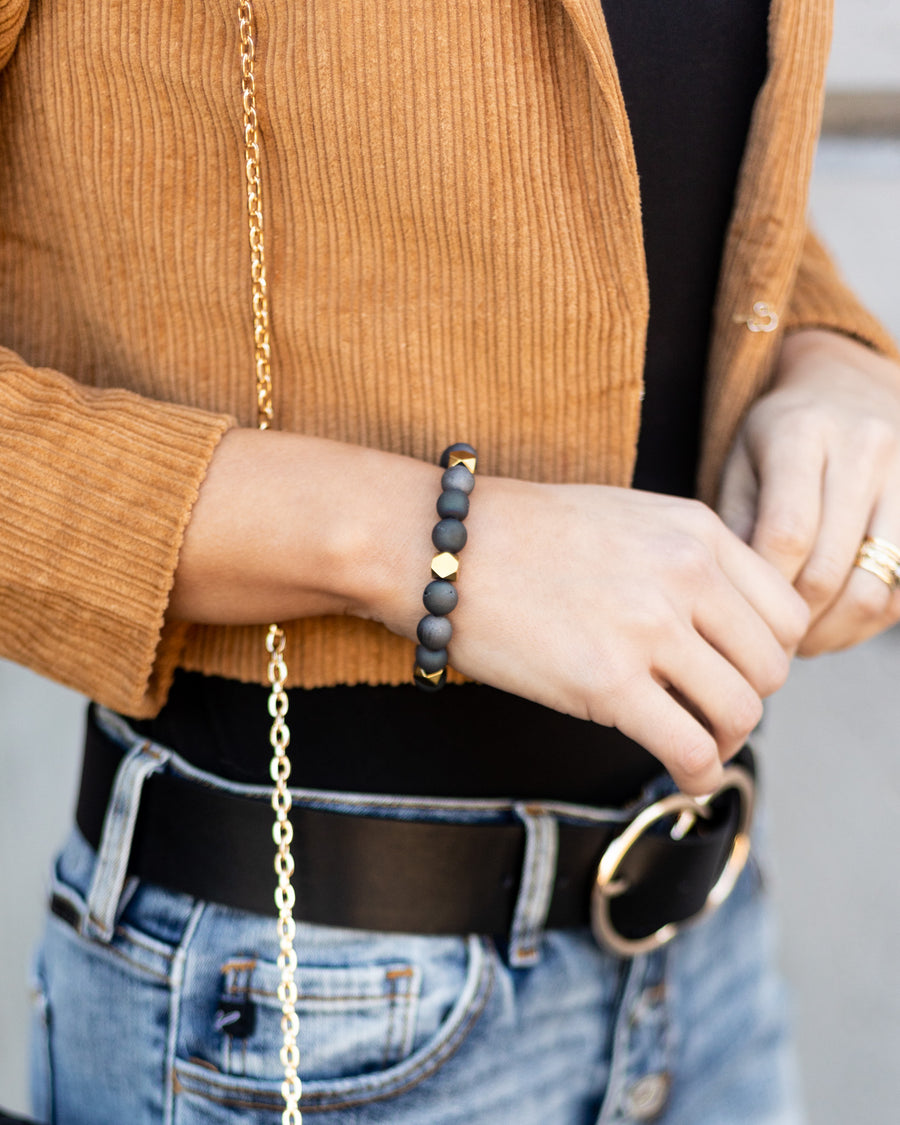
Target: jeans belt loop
{"type": "Point", "coordinates": [108, 880]}
{"type": "Point", "coordinates": [536, 885]}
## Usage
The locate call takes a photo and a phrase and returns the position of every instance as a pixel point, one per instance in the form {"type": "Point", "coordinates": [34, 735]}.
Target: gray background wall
{"type": "Point", "coordinates": [832, 763]}
{"type": "Point", "coordinates": [866, 50]}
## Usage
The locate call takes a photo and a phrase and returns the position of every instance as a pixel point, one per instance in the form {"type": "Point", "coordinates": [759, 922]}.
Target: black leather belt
{"type": "Point", "coordinates": [412, 876]}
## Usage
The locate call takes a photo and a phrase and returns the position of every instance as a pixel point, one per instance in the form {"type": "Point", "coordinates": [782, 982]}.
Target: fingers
{"type": "Point", "coordinates": [789, 505]}
{"type": "Point", "coordinates": [766, 601]}
{"type": "Point", "coordinates": [695, 711]}
{"type": "Point", "coordinates": [711, 670]}
{"type": "Point", "coordinates": [716, 693]}
{"type": "Point", "coordinates": [832, 509]}
{"type": "Point", "coordinates": [739, 493]}
{"type": "Point", "coordinates": [846, 512]}
{"type": "Point", "coordinates": [824, 446]}
{"type": "Point", "coordinates": [739, 632]}
{"type": "Point", "coordinates": [655, 720]}
{"type": "Point", "coordinates": [817, 485]}
{"type": "Point", "coordinates": [865, 605]}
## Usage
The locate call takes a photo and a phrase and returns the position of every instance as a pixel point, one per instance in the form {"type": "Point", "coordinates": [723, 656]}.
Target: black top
{"type": "Point", "coordinates": [690, 73]}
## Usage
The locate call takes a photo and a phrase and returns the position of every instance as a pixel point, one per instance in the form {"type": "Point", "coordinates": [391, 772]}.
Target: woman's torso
{"type": "Point", "coordinates": [689, 78]}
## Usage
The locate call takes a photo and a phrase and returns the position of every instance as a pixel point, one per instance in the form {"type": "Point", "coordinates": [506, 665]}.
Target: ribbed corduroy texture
{"type": "Point", "coordinates": [454, 243]}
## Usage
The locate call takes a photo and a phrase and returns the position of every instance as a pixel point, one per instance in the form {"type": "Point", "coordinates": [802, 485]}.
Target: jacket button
{"type": "Point", "coordinates": [647, 1098]}
{"type": "Point", "coordinates": [764, 318]}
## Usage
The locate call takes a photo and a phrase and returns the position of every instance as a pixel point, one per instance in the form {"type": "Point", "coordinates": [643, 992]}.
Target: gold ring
{"type": "Point", "coordinates": [881, 558]}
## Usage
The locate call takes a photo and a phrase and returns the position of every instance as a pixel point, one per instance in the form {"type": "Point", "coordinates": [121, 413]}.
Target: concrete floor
{"type": "Point", "coordinates": [832, 767]}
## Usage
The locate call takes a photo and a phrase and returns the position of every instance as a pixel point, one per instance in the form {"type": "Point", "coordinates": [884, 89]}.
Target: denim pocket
{"type": "Point", "coordinates": [378, 1024]}
{"type": "Point", "coordinates": [354, 1020]}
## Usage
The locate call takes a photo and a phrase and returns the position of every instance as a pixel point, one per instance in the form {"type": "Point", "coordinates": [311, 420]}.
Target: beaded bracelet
{"type": "Point", "coordinates": [449, 537]}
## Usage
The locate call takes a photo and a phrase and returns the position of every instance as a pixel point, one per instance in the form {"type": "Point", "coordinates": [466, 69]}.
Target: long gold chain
{"type": "Point", "coordinates": [283, 834]}
{"type": "Point", "coordinates": [279, 735]}
{"type": "Point", "coordinates": [254, 214]}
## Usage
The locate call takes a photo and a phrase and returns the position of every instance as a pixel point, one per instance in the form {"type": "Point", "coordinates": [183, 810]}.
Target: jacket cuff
{"type": "Point", "coordinates": [98, 489]}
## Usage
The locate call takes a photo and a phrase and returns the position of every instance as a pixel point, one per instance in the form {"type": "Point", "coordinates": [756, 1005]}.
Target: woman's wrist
{"type": "Point", "coordinates": [448, 537]}
{"type": "Point", "coordinates": [289, 526]}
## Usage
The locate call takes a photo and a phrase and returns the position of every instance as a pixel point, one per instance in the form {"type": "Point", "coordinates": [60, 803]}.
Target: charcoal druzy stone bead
{"type": "Point", "coordinates": [459, 447]}
{"type": "Point", "coordinates": [434, 632]}
{"type": "Point", "coordinates": [458, 477]}
{"type": "Point", "coordinates": [431, 660]}
{"type": "Point", "coordinates": [440, 597]}
{"type": "Point", "coordinates": [449, 535]}
{"type": "Point", "coordinates": [453, 505]}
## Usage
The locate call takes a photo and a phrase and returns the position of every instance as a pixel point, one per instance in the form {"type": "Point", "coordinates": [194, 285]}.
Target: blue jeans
{"type": "Point", "coordinates": [158, 1008]}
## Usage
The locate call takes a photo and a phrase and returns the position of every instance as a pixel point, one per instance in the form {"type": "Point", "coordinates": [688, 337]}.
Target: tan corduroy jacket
{"type": "Point", "coordinates": [454, 244]}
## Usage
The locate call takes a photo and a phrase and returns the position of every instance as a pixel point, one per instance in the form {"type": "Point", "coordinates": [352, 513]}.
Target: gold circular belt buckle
{"type": "Point", "coordinates": [688, 810]}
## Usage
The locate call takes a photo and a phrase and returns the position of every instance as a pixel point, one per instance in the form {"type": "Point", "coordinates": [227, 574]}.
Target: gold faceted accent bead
{"type": "Point", "coordinates": [446, 566]}
{"type": "Point", "coordinates": [469, 460]}
{"type": "Point", "coordinates": [430, 677]}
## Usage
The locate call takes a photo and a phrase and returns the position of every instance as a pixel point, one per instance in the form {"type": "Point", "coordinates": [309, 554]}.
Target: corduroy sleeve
{"type": "Point", "coordinates": [98, 487]}
{"type": "Point", "coordinates": [822, 299]}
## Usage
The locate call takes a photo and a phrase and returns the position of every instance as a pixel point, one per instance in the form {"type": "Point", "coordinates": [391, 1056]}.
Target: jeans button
{"type": "Point", "coordinates": [647, 1098]}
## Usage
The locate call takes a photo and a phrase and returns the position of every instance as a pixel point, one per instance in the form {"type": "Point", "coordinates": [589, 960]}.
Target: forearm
{"type": "Point", "coordinates": [289, 526]}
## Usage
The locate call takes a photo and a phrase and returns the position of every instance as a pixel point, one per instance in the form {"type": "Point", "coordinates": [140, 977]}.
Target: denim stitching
{"type": "Point", "coordinates": [401, 1004]}
{"type": "Point", "coordinates": [411, 997]}
{"type": "Point", "coordinates": [388, 1056]}
{"type": "Point", "coordinates": [133, 937]}
{"type": "Point", "coordinates": [237, 966]}
{"type": "Point", "coordinates": [78, 905]}
{"type": "Point", "coordinates": [388, 986]}
{"type": "Point", "coordinates": [114, 950]}
{"type": "Point", "coordinates": [314, 997]}
{"type": "Point", "coordinates": [174, 1013]}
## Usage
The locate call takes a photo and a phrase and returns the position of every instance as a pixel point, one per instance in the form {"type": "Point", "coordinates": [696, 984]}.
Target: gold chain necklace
{"type": "Point", "coordinates": [279, 735]}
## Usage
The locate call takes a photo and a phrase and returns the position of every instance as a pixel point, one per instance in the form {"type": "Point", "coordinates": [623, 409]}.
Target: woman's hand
{"type": "Point", "coordinates": [816, 469]}
{"type": "Point", "coordinates": [633, 610]}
